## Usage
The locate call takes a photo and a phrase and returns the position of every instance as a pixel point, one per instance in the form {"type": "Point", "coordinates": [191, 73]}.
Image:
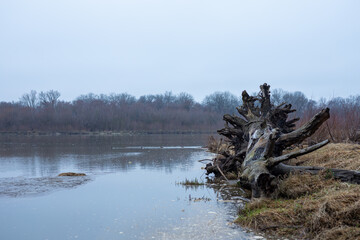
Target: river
{"type": "Point", "coordinates": [131, 190]}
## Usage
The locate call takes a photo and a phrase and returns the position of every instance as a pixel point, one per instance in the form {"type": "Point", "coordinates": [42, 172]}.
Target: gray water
{"type": "Point", "coordinates": [131, 190]}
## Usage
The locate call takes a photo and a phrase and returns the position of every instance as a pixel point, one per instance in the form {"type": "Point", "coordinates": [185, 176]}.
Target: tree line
{"type": "Point", "coordinates": [44, 111]}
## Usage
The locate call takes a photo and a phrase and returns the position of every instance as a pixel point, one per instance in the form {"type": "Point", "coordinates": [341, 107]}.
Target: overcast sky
{"type": "Point", "coordinates": [195, 46]}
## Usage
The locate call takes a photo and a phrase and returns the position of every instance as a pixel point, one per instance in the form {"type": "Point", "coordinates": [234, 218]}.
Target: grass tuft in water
{"type": "Point", "coordinates": [194, 182]}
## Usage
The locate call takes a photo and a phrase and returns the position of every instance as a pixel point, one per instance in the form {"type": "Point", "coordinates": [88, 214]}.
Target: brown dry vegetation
{"type": "Point", "coordinates": [311, 206]}
{"type": "Point", "coordinates": [215, 146]}
{"type": "Point", "coordinates": [340, 155]}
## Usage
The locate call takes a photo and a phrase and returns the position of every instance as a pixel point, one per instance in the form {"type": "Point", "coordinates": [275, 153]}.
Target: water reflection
{"type": "Point", "coordinates": [130, 190]}
{"type": "Point", "coordinates": [48, 156]}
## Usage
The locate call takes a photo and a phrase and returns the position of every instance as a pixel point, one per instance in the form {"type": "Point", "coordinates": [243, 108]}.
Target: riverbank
{"type": "Point", "coordinates": [311, 206]}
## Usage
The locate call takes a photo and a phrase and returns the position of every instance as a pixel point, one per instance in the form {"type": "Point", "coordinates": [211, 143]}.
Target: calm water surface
{"type": "Point", "coordinates": [131, 190]}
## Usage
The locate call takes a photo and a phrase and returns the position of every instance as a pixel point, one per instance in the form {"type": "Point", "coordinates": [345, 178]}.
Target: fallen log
{"type": "Point", "coordinates": [257, 138]}
{"type": "Point", "coordinates": [343, 175]}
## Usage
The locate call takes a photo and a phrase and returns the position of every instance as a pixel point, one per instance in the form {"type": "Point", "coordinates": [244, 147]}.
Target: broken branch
{"type": "Point", "coordinates": [271, 162]}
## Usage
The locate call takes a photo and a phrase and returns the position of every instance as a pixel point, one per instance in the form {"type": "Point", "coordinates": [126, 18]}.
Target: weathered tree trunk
{"type": "Point", "coordinates": [257, 139]}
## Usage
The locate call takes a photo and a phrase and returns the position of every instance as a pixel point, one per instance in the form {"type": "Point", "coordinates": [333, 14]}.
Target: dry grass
{"type": "Point", "coordinates": [340, 233]}
{"type": "Point", "coordinates": [311, 206]}
{"type": "Point", "coordinates": [194, 182]}
{"type": "Point", "coordinates": [339, 155]}
{"type": "Point", "coordinates": [215, 146]}
{"type": "Point", "coordinates": [297, 185]}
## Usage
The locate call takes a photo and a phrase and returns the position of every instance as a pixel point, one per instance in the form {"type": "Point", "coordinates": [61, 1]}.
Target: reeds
{"type": "Point", "coordinates": [194, 182]}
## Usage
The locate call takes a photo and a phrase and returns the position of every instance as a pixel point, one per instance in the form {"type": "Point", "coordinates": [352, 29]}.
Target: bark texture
{"type": "Point", "coordinates": [256, 140]}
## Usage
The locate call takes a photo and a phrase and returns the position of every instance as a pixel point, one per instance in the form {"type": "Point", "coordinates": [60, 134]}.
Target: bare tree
{"type": "Point", "coordinates": [29, 99]}
{"type": "Point", "coordinates": [185, 100]}
{"type": "Point", "coordinates": [277, 96]}
{"type": "Point", "coordinates": [49, 98]}
{"type": "Point", "coordinates": [298, 100]}
{"type": "Point", "coordinates": [221, 102]}
{"type": "Point", "coordinates": [122, 99]}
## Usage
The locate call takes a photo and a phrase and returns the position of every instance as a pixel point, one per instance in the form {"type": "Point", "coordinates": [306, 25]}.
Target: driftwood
{"type": "Point", "coordinates": [71, 174]}
{"type": "Point", "coordinates": [257, 138]}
